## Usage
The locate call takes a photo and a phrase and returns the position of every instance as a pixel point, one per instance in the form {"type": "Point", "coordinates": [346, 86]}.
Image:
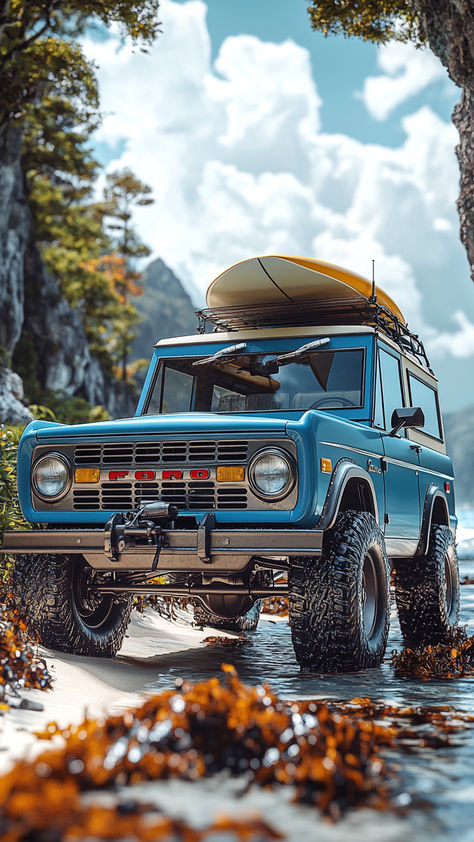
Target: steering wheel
{"type": "Point", "coordinates": [321, 401]}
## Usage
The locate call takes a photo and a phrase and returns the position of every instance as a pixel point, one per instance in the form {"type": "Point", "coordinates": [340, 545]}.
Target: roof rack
{"type": "Point", "coordinates": [354, 311]}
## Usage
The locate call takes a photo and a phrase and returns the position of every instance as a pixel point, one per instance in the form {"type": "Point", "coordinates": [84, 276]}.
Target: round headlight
{"type": "Point", "coordinates": [51, 476]}
{"type": "Point", "coordinates": [272, 474]}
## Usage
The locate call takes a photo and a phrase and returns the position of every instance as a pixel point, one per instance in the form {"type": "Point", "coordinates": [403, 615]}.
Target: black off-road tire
{"type": "Point", "coordinates": [241, 623]}
{"type": "Point", "coordinates": [339, 604]}
{"type": "Point", "coordinates": [427, 591]}
{"type": "Point", "coordinates": [52, 597]}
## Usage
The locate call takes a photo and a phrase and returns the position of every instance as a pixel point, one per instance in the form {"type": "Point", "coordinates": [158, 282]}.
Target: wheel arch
{"type": "Point", "coordinates": [351, 487]}
{"type": "Point", "coordinates": [435, 511]}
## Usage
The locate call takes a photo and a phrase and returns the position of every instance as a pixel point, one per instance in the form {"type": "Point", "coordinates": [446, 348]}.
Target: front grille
{"type": "Point", "coordinates": [155, 453]}
{"type": "Point", "coordinates": [192, 495]}
{"type": "Point", "coordinates": [183, 473]}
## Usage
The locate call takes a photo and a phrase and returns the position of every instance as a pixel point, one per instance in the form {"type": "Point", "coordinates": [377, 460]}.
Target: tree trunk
{"type": "Point", "coordinates": [449, 27]}
{"type": "Point", "coordinates": [4, 10]}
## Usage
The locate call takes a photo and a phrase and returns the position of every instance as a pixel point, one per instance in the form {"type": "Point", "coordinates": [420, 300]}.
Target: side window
{"type": "Point", "coordinates": [155, 398]}
{"type": "Point", "coordinates": [391, 385]}
{"type": "Point", "coordinates": [423, 395]}
{"type": "Point", "coordinates": [378, 408]}
{"type": "Point", "coordinates": [177, 392]}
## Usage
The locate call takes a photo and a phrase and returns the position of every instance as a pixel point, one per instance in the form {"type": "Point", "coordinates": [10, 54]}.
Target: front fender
{"type": "Point", "coordinates": [344, 471]}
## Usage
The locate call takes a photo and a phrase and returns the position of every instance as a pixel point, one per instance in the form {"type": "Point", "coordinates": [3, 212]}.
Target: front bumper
{"type": "Point", "coordinates": [205, 549]}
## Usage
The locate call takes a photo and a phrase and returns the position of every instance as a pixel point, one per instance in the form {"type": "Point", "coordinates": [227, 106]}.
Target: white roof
{"type": "Point", "coordinates": [264, 333]}
{"type": "Point", "coordinates": [286, 333]}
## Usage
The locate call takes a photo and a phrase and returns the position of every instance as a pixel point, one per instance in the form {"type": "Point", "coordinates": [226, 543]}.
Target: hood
{"type": "Point", "coordinates": [192, 423]}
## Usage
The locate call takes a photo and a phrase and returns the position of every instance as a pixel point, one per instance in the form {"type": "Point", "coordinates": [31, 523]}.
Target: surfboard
{"type": "Point", "coordinates": [280, 279]}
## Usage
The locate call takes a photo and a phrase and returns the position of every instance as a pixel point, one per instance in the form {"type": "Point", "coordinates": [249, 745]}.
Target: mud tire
{"type": "Point", "coordinates": [427, 591]}
{"type": "Point", "coordinates": [333, 627]}
{"type": "Point", "coordinates": [46, 593]}
{"type": "Point", "coordinates": [241, 623]}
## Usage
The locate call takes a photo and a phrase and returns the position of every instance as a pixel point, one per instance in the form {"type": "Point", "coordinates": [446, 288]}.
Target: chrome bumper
{"type": "Point", "coordinates": [205, 549]}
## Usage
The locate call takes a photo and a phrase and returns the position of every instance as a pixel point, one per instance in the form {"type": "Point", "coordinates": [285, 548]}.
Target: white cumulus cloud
{"type": "Point", "coordinates": [460, 343]}
{"type": "Point", "coordinates": [405, 72]}
{"type": "Point", "coordinates": [240, 165]}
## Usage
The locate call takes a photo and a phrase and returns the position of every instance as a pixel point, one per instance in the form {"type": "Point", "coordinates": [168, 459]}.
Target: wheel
{"type": "Point", "coordinates": [55, 596]}
{"type": "Point", "coordinates": [241, 623]}
{"type": "Point", "coordinates": [339, 604]}
{"type": "Point", "coordinates": [427, 590]}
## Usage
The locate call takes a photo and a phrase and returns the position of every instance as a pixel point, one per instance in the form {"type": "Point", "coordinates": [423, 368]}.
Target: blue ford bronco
{"type": "Point", "coordinates": [294, 446]}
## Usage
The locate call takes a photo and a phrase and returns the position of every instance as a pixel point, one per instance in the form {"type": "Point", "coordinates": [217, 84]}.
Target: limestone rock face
{"type": "Point", "coordinates": [449, 27]}
{"type": "Point", "coordinates": [12, 408]}
{"type": "Point", "coordinates": [15, 224]}
{"type": "Point", "coordinates": [31, 304]}
{"type": "Point", "coordinates": [64, 359]}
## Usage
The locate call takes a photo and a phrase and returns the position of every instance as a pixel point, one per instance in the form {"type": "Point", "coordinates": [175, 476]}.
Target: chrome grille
{"type": "Point", "coordinates": [131, 472]}
{"type": "Point", "coordinates": [177, 452]}
{"type": "Point", "coordinates": [191, 495]}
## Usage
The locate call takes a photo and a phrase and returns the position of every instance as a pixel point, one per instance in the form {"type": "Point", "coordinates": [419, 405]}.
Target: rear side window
{"type": "Point", "coordinates": [425, 396]}
{"type": "Point", "coordinates": [391, 386]}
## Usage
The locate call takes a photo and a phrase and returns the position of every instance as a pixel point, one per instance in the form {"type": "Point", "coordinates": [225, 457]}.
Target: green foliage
{"type": "Point", "coordinates": [124, 192]}
{"type": "Point", "coordinates": [49, 86]}
{"type": "Point", "coordinates": [37, 43]}
{"type": "Point", "coordinates": [378, 21]}
{"type": "Point", "coordinates": [25, 362]}
{"type": "Point", "coordinates": [41, 413]}
{"type": "Point", "coordinates": [5, 357]}
{"type": "Point", "coordinates": [57, 406]}
{"type": "Point", "coordinates": [11, 516]}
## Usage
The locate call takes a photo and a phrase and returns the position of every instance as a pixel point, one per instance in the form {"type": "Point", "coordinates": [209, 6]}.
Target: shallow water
{"type": "Point", "coordinates": [437, 784]}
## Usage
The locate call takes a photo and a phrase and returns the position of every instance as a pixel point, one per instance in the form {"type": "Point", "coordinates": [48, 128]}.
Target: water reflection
{"type": "Point", "coordinates": [267, 655]}
{"type": "Point", "coordinates": [439, 784]}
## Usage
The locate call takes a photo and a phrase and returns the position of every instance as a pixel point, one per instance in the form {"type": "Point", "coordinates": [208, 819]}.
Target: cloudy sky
{"type": "Point", "coordinates": [259, 136]}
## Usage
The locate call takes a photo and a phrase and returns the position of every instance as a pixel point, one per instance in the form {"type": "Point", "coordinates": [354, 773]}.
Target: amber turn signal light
{"type": "Point", "coordinates": [326, 466]}
{"type": "Point", "coordinates": [230, 473]}
{"type": "Point", "coordinates": [86, 475]}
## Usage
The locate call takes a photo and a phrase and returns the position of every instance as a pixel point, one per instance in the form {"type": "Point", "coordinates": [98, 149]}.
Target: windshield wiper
{"type": "Point", "coordinates": [284, 359]}
{"type": "Point", "coordinates": [230, 351]}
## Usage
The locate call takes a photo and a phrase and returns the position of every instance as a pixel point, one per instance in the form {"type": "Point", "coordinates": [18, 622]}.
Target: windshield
{"type": "Point", "coordinates": [258, 383]}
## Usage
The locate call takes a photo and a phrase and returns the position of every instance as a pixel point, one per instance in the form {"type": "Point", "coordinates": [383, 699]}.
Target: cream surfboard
{"type": "Point", "coordinates": [276, 279]}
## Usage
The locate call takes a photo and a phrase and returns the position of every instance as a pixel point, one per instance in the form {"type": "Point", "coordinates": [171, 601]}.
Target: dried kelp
{"type": "Point", "coordinates": [419, 726]}
{"type": "Point", "coordinates": [333, 754]}
{"type": "Point", "coordinates": [219, 640]}
{"type": "Point", "coordinates": [275, 605]}
{"type": "Point", "coordinates": [453, 659]}
{"type": "Point", "coordinates": [131, 820]}
{"type": "Point", "coordinates": [330, 758]}
{"type": "Point", "coordinates": [20, 664]}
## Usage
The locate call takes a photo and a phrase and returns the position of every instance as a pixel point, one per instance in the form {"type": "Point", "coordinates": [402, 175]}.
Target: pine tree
{"type": "Point", "coordinates": [123, 192]}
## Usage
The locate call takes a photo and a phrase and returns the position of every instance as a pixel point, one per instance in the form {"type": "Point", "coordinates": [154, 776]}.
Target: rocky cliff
{"type": "Point", "coordinates": [449, 27]}
{"type": "Point", "coordinates": [165, 309]}
{"type": "Point", "coordinates": [459, 429]}
{"type": "Point", "coordinates": [33, 311]}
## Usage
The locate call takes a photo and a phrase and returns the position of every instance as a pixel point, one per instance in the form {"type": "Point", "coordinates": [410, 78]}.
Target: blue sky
{"type": "Point", "coordinates": [259, 135]}
{"type": "Point", "coordinates": [340, 65]}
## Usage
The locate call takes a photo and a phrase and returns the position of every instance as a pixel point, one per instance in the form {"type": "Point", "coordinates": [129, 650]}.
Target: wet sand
{"type": "Point", "coordinates": [437, 786]}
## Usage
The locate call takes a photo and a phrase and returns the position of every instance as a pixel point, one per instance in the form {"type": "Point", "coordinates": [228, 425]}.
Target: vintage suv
{"type": "Point", "coordinates": [297, 450]}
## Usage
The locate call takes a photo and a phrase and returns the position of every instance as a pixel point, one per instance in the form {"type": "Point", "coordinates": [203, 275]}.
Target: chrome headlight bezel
{"type": "Point", "coordinates": [51, 498]}
{"type": "Point", "coordinates": [290, 462]}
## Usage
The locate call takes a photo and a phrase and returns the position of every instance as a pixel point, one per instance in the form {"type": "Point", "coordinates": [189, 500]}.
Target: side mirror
{"type": "Point", "coordinates": [408, 416]}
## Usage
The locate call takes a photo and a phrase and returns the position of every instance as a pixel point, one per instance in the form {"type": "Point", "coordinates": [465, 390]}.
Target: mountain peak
{"type": "Point", "coordinates": [165, 308]}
